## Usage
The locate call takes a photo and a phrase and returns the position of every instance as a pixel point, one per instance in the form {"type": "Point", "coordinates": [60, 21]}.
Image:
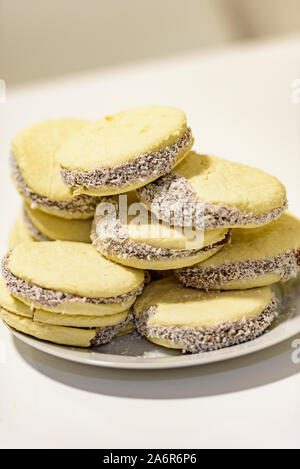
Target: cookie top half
{"type": "Point", "coordinates": [176, 305]}
{"type": "Point", "coordinates": [255, 258]}
{"type": "Point", "coordinates": [34, 149]}
{"type": "Point", "coordinates": [125, 150]}
{"type": "Point", "coordinates": [231, 194]}
{"type": "Point", "coordinates": [36, 173]}
{"type": "Point", "coordinates": [74, 268]}
{"type": "Point", "coordinates": [263, 242]}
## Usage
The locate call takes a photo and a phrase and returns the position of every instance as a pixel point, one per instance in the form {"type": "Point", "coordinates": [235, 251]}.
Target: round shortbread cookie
{"type": "Point", "coordinates": [12, 305]}
{"type": "Point", "coordinates": [219, 192]}
{"type": "Point", "coordinates": [140, 241]}
{"type": "Point", "coordinates": [197, 321]}
{"type": "Point", "coordinates": [36, 172]}
{"type": "Point", "coordinates": [254, 258]}
{"type": "Point", "coordinates": [45, 227]}
{"type": "Point", "coordinates": [124, 151]}
{"type": "Point", "coordinates": [70, 278]}
{"type": "Point", "coordinates": [73, 336]}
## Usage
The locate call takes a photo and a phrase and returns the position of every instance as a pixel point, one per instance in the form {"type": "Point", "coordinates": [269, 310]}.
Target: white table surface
{"type": "Point", "coordinates": [239, 105]}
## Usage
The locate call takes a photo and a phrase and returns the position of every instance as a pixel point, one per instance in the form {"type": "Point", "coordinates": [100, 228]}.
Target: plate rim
{"type": "Point", "coordinates": [142, 363]}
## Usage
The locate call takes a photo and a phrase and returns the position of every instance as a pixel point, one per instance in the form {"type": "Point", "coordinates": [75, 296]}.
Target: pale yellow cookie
{"type": "Point", "coordinates": [76, 320]}
{"type": "Point", "coordinates": [230, 194]}
{"type": "Point", "coordinates": [36, 172]}
{"type": "Point", "coordinates": [70, 278]}
{"type": "Point", "coordinates": [124, 151]}
{"type": "Point", "coordinates": [43, 226]}
{"type": "Point", "coordinates": [254, 258]}
{"type": "Point", "coordinates": [73, 336]}
{"type": "Point", "coordinates": [195, 321]}
{"type": "Point", "coordinates": [13, 305]}
{"type": "Point", "coordinates": [143, 242]}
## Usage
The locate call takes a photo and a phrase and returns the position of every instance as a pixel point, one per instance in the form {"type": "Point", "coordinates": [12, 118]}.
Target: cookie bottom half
{"type": "Point", "coordinates": [72, 336]}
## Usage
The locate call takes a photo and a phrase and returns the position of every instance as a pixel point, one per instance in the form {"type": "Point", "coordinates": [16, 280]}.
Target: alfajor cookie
{"type": "Point", "coordinates": [76, 330]}
{"type": "Point", "coordinates": [19, 233]}
{"type": "Point", "coordinates": [173, 316]}
{"type": "Point", "coordinates": [254, 258]}
{"type": "Point", "coordinates": [72, 336]}
{"type": "Point", "coordinates": [223, 193]}
{"type": "Point", "coordinates": [70, 278]}
{"type": "Point", "coordinates": [124, 151]}
{"type": "Point", "coordinates": [36, 172]}
{"type": "Point", "coordinates": [45, 227]}
{"type": "Point", "coordinates": [145, 243]}
{"type": "Point", "coordinates": [108, 323]}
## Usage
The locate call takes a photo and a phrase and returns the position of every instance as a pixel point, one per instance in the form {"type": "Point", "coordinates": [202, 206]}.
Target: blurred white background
{"type": "Point", "coordinates": [45, 38]}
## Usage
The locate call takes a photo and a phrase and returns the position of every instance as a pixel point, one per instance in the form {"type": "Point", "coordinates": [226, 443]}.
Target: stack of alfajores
{"type": "Point", "coordinates": [215, 233]}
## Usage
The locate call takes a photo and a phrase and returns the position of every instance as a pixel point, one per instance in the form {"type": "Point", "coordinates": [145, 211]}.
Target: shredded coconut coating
{"type": "Point", "coordinates": [52, 298]}
{"type": "Point", "coordinates": [140, 169]}
{"type": "Point", "coordinates": [286, 265]}
{"type": "Point", "coordinates": [198, 339]}
{"type": "Point", "coordinates": [111, 239]}
{"type": "Point", "coordinates": [172, 196]}
{"type": "Point", "coordinates": [106, 334]}
{"type": "Point", "coordinates": [33, 230]}
{"type": "Point", "coordinates": [80, 206]}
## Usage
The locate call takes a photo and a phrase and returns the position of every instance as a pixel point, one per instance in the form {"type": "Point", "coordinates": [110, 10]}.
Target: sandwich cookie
{"type": "Point", "coordinates": [10, 304]}
{"type": "Point", "coordinates": [147, 244]}
{"type": "Point", "coordinates": [254, 258]}
{"type": "Point", "coordinates": [45, 227]}
{"type": "Point", "coordinates": [124, 151]}
{"type": "Point", "coordinates": [73, 336]}
{"type": "Point", "coordinates": [19, 233]}
{"type": "Point", "coordinates": [70, 278]}
{"type": "Point", "coordinates": [222, 193]}
{"type": "Point", "coordinates": [83, 331]}
{"type": "Point", "coordinates": [196, 321]}
{"type": "Point", "coordinates": [36, 173]}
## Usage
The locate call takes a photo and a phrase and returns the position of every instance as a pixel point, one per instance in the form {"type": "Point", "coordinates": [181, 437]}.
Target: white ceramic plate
{"type": "Point", "coordinates": [132, 351]}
